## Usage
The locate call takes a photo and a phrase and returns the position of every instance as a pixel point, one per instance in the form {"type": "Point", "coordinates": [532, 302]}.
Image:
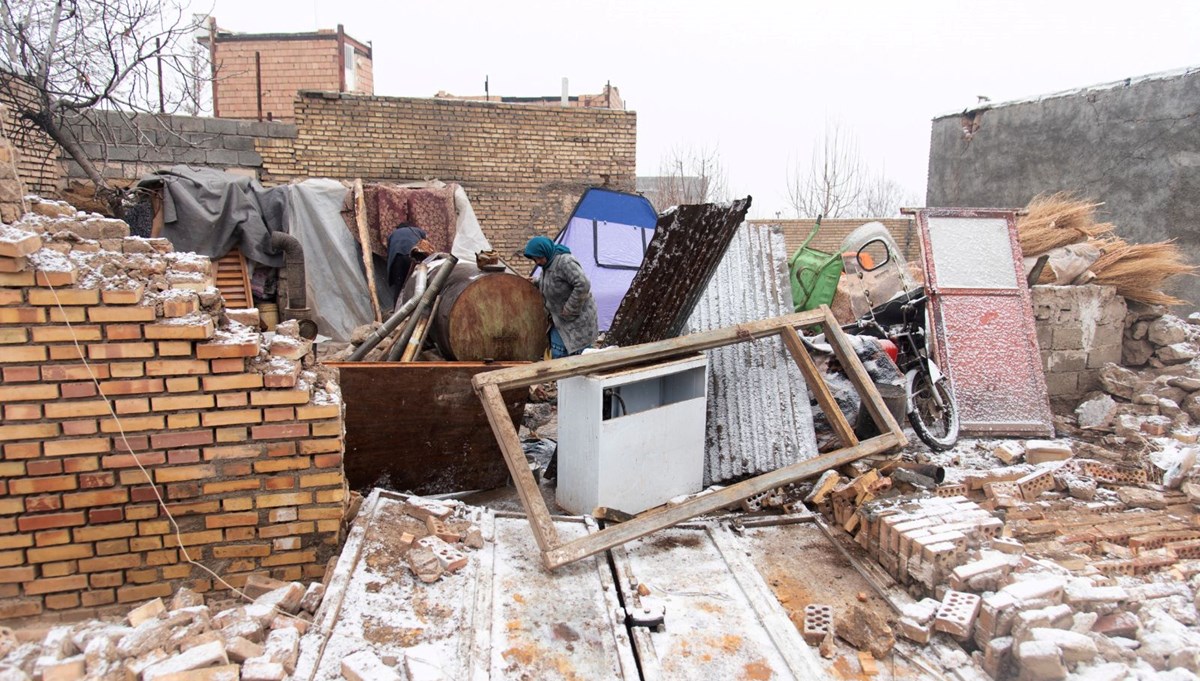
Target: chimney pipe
{"type": "Point", "coordinates": [565, 99]}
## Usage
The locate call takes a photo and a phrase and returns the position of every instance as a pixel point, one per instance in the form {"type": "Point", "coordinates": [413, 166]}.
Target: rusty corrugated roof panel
{"type": "Point", "coordinates": [759, 417]}
{"type": "Point", "coordinates": [688, 244]}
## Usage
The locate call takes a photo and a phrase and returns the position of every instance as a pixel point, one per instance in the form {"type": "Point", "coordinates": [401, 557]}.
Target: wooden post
{"type": "Point", "coordinates": [812, 377]}
{"type": "Point", "coordinates": [364, 239]}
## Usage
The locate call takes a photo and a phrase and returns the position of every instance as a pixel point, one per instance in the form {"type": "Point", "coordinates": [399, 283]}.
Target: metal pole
{"type": "Point", "coordinates": [258, 81]}
{"type": "Point", "coordinates": [431, 292]}
{"type": "Point", "coordinates": [392, 322]}
{"type": "Point", "coordinates": [162, 105]}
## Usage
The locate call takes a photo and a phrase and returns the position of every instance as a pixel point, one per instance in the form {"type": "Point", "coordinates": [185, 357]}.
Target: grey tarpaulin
{"type": "Point", "coordinates": [211, 212]}
{"type": "Point", "coordinates": [336, 287]}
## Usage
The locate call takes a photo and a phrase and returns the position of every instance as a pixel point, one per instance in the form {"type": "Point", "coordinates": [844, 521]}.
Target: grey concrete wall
{"type": "Point", "coordinates": [130, 146]}
{"type": "Point", "coordinates": [1135, 146]}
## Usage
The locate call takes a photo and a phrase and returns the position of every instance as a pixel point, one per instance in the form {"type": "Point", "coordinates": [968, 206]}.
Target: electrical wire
{"type": "Point", "coordinates": [137, 458]}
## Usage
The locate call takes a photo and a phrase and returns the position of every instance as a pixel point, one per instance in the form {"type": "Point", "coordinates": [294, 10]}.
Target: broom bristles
{"type": "Point", "coordinates": [1138, 271]}
{"type": "Point", "coordinates": [1055, 220]}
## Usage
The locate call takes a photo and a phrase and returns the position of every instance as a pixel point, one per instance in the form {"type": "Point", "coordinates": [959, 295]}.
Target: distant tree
{"type": "Point", "coordinates": [837, 183]}
{"type": "Point", "coordinates": [832, 184]}
{"type": "Point", "coordinates": [690, 175]}
{"type": "Point", "coordinates": [67, 58]}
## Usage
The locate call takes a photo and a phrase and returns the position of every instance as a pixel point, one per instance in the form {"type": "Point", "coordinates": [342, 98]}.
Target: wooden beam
{"type": "Point", "coordinates": [364, 240]}
{"type": "Point", "coordinates": [541, 372]}
{"type": "Point", "coordinates": [857, 374]}
{"type": "Point", "coordinates": [514, 456]}
{"type": "Point", "coordinates": [554, 553]}
{"type": "Point", "coordinates": [651, 521]}
{"type": "Point", "coordinates": [829, 406]}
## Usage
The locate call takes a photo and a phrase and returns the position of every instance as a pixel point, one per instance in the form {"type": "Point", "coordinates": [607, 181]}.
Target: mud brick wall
{"type": "Point", "coordinates": [1079, 330]}
{"type": "Point", "coordinates": [37, 160]}
{"type": "Point", "coordinates": [243, 439]}
{"type": "Point", "coordinates": [524, 167]}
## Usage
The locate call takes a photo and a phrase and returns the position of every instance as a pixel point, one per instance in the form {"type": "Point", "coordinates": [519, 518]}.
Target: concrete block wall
{"type": "Point", "coordinates": [242, 440]}
{"type": "Point", "coordinates": [129, 146]}
{"type": "Point", "coordinates": [524, 167]}
{"type": "Point", "coordinates": [1079, 330]}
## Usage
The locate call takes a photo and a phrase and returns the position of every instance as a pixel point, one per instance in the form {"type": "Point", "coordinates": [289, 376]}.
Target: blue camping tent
{"type": "Point", "coordinates": [608, 233]}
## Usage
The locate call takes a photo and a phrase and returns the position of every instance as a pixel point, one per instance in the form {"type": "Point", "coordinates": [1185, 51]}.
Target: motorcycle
{"type": "Point", "coordinates": [900, 322]}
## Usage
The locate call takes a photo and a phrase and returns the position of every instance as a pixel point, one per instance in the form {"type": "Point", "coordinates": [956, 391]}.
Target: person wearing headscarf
{"type": "Point", "coordinates": [567, 295]}
{"type": "Point", "coordinates": [405, 242]}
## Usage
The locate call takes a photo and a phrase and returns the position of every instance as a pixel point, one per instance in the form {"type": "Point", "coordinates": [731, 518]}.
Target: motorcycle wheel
{"type": "Point", "coordinates": [936, 426]}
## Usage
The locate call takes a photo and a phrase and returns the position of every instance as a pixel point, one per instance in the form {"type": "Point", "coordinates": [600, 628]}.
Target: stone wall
{"type": "Point", "coordinates": [1131, 145]}
{"type": "Point", "coordinates": [124, 380]}
{"type": "Point", "coordinates": [524, 167]}
{"type": "Point", "coordinates": [1079, 330]}
{"type": "Point", "coordinates": [129, 146]}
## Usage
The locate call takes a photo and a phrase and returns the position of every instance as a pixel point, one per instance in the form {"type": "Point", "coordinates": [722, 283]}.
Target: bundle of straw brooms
{"type": "Point", "coordinates": [1138, 271]}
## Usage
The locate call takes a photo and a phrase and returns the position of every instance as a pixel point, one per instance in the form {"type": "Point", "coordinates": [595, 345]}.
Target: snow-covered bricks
{"type": "Point", "coordinates": [245, 447]}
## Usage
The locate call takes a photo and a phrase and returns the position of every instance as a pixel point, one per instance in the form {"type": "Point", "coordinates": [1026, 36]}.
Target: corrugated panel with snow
{"type": "Point", "coordinates": [759, 418]}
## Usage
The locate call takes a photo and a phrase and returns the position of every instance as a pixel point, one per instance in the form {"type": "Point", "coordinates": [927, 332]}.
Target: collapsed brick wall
{"type": "Point", "coordinates": [1079, 330]}
{"type": "Point", "coordinates": [524, 167]}
{"type": "Point", "coordinates": [243, 440]}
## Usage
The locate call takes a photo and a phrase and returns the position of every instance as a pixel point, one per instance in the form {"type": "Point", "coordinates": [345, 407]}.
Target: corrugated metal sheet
{"type": "Point", "coordinates": [759, 417]}
{"type": "Point", "coordinates": [688, 244]}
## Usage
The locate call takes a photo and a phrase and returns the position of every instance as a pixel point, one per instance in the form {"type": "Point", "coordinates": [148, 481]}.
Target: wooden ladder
{"type": "Point", "coordinates": [233, 280]}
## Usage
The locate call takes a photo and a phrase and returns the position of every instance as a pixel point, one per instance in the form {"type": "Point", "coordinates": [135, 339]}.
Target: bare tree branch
{"type": "Point", "coordinates": [688, 176]}
{"type": "Point", "coordinates": [66, 57]}
{"type": "Point", "coordinates": [838, 184]}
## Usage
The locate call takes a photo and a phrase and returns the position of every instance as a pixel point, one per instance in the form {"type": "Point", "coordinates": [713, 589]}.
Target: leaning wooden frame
{"type": "Point", "coordinates": [556, 553]}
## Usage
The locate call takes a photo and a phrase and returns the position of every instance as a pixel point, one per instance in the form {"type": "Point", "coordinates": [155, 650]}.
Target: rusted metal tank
{"type": "Point", "coordinates": [488, 316]}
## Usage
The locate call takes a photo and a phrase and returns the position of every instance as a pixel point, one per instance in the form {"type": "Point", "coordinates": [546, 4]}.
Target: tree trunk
{"type": "Point", "coordinates": [46, 122]}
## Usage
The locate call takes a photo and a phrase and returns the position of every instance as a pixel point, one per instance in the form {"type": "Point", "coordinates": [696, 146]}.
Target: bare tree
{"type": "Point", "coordinates": [883, 197]}
{"type": "Point", "coordinates": [838, 184]}
{"type": "Point", "coordinates": [832, 185]}
{"type": "Point", "coordinates": [689, 175]}
{"type": "Point", "coordinates": [66, 59]}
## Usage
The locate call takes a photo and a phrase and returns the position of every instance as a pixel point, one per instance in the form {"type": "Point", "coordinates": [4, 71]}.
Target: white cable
{"type": "Point", "coordinates": [136, 457]}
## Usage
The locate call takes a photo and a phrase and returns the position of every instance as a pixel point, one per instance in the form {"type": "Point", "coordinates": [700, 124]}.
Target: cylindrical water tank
{"type": "Point", "coordinates": [488, 315]}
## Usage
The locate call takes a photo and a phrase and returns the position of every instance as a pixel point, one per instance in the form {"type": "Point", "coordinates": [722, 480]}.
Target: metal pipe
{"type": "Point", "coordinates": [418, 338]}
{"type": "Point", "coordinates": [392, 322]}
{"type": "Point", "coordinates": [431, 292]}
{"type": "Point", "coordinates": [293, 262]}
{"type": "Point", "coordinates": [928, 470]}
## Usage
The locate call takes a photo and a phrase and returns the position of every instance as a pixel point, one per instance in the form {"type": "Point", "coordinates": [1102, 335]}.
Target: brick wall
{"type": "Point", "coordinates": [244, 441]}
{"type": "Point", "coordinates": [1079, 330]}
{"type": "Point", "coordinates": [37, 158]}
{"type": "Point", "coordinates": [130, 146]}
{"type": "Point", "coordinates": [288, 65]}
{"type": "Point", "coordinates": [833, 231]}
{"type": "Point", "coordinates": [524, 167]}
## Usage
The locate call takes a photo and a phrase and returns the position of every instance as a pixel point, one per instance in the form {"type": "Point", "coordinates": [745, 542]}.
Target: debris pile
{"type": "Point", "coordinates": [433, 533]}
{"type": "Point", "coordinates": [258, 641]}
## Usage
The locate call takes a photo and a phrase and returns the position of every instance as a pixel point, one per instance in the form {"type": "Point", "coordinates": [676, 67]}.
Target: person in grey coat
{"type": "Point", "coordinates": [567, 295]}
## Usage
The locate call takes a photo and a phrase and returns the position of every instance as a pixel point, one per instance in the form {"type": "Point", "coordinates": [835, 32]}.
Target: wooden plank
{"type": "Point", "coordinates": [554, 554]}
{"type": "Point", "coordinates": [364, 240]}
{"type": "Point", "coordinates": [647, 353]}
{"type": "Point", "coordinates": [661, 518]}
{"type": "Point", "coordinates": [857, 374]}
{"type": "Point", "coordinates": [514, 455]}
{"type": "Point", "coordinates": [829, 405]}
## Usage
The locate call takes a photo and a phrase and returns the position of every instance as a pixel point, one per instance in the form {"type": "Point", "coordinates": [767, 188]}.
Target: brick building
{"type": "Point", "coordinates": [609, 98]}
{"type": "Point", "coordinates": [257, 75]}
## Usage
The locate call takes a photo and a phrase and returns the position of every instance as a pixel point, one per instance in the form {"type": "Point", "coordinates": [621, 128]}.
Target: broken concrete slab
{"type": "Point", "coordinates": [366, 666]}
{"type": "Point", "coordinates": [865, 629]}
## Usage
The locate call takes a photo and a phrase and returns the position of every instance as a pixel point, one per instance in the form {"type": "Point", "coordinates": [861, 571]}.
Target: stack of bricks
{"type": "Point", "coordinates": [243, 440]}
{"type": "Point", "coordinates": [920, 541]}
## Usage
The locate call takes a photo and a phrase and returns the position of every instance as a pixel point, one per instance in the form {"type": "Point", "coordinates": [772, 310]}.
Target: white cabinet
{"type": "Point", "coordinates": [631, 439]}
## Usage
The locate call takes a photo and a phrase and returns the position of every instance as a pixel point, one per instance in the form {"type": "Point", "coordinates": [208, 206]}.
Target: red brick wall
{"type": "Point", "coordinates": [244, 445]}
{"type": "Point", "coordinates": [288, 66]}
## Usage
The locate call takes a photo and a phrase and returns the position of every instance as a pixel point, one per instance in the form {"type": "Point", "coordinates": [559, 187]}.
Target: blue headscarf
{"type": "Point", "coordinates": [543, 247]}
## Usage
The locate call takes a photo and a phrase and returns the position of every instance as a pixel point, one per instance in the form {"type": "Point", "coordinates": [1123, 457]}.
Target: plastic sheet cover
{"type": "Point", "coordinates": [336, 287]}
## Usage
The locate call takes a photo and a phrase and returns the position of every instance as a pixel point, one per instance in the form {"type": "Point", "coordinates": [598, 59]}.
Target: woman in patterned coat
{"type": "Point", "coordinates": [567, 294]}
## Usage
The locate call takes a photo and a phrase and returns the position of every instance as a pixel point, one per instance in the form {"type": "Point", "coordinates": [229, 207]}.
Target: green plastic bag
{"type": "Point", "coordinates": [814, 274]}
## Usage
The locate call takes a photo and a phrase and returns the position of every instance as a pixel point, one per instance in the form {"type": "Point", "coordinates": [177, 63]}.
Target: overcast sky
{"type": "Point", "coordinates": [756, 80]}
